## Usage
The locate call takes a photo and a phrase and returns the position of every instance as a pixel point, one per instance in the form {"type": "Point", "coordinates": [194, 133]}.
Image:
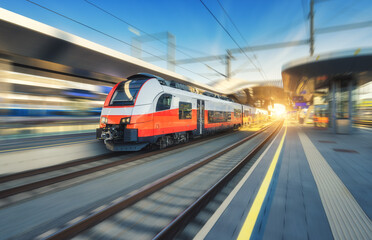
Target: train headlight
{"type": "Point", "coordinates": [103, 120]}
{"type": "Point", "coordinates": [125, 120]}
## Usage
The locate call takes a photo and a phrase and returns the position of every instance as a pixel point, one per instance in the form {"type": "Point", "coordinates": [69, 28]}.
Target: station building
{"type": "Point", "coordinates": [336, 88]}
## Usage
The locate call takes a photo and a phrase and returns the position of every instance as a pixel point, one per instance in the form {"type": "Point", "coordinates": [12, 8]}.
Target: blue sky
{"type": "Point", "coordinates": [198, 34]}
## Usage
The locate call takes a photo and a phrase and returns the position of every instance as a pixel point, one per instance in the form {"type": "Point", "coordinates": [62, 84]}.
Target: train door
{"type": "Point", "coordinates": [200, 116]}
{"type": "Point", "coordinates": [162, 120]}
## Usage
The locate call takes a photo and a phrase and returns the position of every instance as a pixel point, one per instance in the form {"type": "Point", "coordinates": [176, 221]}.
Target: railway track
{"type": "Point", "coordinates": [29, 173]}
{"type": "Point", "coordinates": [182, 220]}
{"type": "Point", "coordinates": [108, 210]}
{"type": "Point", "coordinates": [98, 161]}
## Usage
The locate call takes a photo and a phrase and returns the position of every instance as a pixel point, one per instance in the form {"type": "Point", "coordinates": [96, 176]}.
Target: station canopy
{"type": "Point", "coordinates": [297, 72]}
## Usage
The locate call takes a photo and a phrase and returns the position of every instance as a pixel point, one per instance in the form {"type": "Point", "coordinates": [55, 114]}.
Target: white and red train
{"type": "Point", "coordinates": [148, 110]}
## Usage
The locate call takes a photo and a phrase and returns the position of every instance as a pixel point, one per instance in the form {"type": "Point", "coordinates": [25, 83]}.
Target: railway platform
{"type": "Point", "coordinates": [308, 184]}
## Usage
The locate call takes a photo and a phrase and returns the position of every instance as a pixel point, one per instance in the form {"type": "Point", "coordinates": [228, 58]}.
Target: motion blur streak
{"type": "Point", "coordinates": [32, 104]}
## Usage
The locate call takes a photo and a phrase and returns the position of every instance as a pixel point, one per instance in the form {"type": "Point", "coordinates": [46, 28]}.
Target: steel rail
{"type": "Point", "coordinates": [49, 181]}
{"type": "Point", "coordinates": [97, 217]}
{"type": "Point", "coordinates": [178, 224]}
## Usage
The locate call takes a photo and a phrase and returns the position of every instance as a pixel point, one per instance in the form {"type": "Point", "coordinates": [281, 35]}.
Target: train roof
{"type": "Point", "coordinates": [180, 86]}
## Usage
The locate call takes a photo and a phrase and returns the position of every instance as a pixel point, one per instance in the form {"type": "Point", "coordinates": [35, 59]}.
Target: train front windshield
{"type": "Point", "coordinates": [126, 93]}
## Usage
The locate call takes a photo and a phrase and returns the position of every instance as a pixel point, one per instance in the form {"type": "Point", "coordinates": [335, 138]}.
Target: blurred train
{"type": "Point", "coordinates": [146, 110]}
{"type": "Point", "coordinates": [26, 97]}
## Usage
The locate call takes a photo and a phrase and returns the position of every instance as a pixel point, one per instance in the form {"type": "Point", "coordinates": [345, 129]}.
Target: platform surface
{"type": "Point", "coordinates": [321, 188]}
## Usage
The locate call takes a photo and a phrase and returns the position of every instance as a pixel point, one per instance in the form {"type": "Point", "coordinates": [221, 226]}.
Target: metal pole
{"type": "Point", "coordinates": [228, 65]}
{"type": "Point", "coordinates": [311, 16]}
{"type": "Point", "coordinates": [171, 51]}
{"type": "Point", "coordinates": [350, 105]}
{"type": "Point", "coordinates": [136, 48]}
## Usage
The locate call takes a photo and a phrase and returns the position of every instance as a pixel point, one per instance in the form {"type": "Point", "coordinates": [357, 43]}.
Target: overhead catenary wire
{"type": "Point", "coordinates": [241, 35]}
{"type": "Point", "coordinates": [108, 35]}
{"type": "Point", "coordinates": [129, 24]}
{"type": "Point", "coordinates": [233, 39]}
{"type": "Point", "coordinates": [136, 27]}
{"type": "Point", "coordinates": [240, 69]}
{"type": "Point", "coordinates": [195, 60]}
{"type": "Point", "coordinates": [148, 34]}
{"type": "Point", "coordinates": [193, 50]}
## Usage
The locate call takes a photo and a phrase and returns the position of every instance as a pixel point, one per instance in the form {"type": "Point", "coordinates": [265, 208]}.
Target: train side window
{"type": "Point", "coordinates": [185, 110]}
{"type": "Point", "coordinates": [237, 113]}
{"type": "Point", "coordinates": [164, 102]}
{"type": "Point", "coordinates": [218, 116]}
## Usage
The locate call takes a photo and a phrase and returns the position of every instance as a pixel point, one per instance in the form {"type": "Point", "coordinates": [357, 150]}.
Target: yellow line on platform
{"type": "Point", "coordinates": [43, 146]}
{"type": "Point", "coordinates": [249, 223]}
